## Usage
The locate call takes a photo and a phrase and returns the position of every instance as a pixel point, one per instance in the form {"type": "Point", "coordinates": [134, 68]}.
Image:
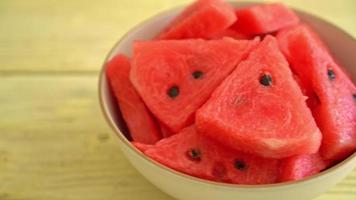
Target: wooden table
{"type": "Point", "coordinates": [54, 143]}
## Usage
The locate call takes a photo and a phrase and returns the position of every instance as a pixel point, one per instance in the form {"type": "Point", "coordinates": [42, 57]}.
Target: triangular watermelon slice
{"type": "Point", "coordinates": [264, 18]}
{"type": "Point", "coordinates": [260, 109]}
{"type": "Point", "coordinates": [301, 166]}
{"type": "Point", "coordinates": [335, 111]}
{"type": "Point", "coordinates": [200, 20]}
{"type": "Point", "coordinates": [196, 155]}
{"type": "Point", "coordinates": [175, 77]}
{"type": "Point", "coordinates": [140, 123]}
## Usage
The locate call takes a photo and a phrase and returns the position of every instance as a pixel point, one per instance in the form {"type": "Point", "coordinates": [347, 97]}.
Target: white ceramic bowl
{"type": "Point", "coordinates": [186, 187]}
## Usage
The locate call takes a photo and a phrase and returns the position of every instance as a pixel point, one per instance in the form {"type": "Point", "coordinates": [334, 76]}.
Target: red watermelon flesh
{"type": "Point", "coordinates": [175, 77]}
{"type": "Point", "coordinates": [192, 153]}
{"type": "Point", "coordinates": [165, 132]}
{"type": "Point", "coordinates": [140, 123]}
{"type": "Point", "coordinates": [336, 112]}
{"type": "Point", "coordinates": [231, 33]}
{"type": "Point", "coordinates": [260, 109]}
{"type": "Point", "coordinates": [200, 20]}
{"type": "Point", "coordinates": [301, 166]}
{"type": "Point", "coordinates": [264, 18]}
{"type": "Point", "coordinates": [312, 98]}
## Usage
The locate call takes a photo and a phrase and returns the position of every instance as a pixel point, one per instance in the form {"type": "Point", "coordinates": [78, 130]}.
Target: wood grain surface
{"type": "Point", "coordinates": [54, 142]}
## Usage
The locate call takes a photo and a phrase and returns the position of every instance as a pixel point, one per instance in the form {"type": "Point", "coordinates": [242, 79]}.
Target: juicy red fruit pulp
{"type": "Point", "coordinates": [300, 166]}
{"type": "Point", "coordinates": [335, 110]}
{"type": "Point", "coordinates": [140, 123]}
{"type": "Point", "coordinates": [176, 77]}
{"type": "Point", "coordinates": [260, 109]}
{"type": "Point", "coordinates": [264, 18]}
{"type": "Point", "coordinates": [194, 154]}
{"type": "Point", "coordinates": [202, 19]}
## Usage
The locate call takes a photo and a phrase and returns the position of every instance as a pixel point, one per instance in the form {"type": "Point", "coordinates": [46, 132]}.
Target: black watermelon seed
{"type": "Point", "coordinates": [354, 97]}
{"type": "Point", "coordinates": [194, 154]}
{"type": "Point", "coordinates": [173, 92]}
{"type": "Point", "coordinates": [240, 165]}
{"type": "Point", "coordinates": [197, 74]}
{"type": "Point", "coordinates": [331, 74]}
{"type": "Point", "coordinates": [266, 80]}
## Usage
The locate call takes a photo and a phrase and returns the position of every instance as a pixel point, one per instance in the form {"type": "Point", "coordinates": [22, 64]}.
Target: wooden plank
{"type": "Point", "coordinates": [67, 36]}
{"type": "Point", "coordinates": [54, 144]}
{"type": "Point", "coordinates": [61, 35]}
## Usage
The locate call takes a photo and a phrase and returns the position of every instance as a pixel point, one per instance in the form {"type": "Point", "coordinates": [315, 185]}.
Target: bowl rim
{"type": "Point", "coordinates": [128, 144]}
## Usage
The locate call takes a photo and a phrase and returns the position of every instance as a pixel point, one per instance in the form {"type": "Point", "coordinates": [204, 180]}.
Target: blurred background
{"type": "Point", "coordinates": [54, 142]}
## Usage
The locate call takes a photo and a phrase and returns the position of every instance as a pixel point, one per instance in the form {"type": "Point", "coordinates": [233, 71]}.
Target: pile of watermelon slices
{"type": "Point", "coordinates": [209, 98]}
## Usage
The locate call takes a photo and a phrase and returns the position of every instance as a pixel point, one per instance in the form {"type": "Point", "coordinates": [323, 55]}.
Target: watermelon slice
{"type": "Point", "coordinates": [196, 155]}
{"type": "Point", "coordinates": [264, 18]}
{"type": "Point", "coordinates": [175, 77]}
{"type": "Point", "coordinates": [336, 112]}
{"type": "Point", "coordinates": [260, 109]}
{"type": "Point", "coordinates": [141, 125]}
{"type": "Point", "coordinates": [200, 20]}
{"type": "Point", "coordinates": [301, 166]}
